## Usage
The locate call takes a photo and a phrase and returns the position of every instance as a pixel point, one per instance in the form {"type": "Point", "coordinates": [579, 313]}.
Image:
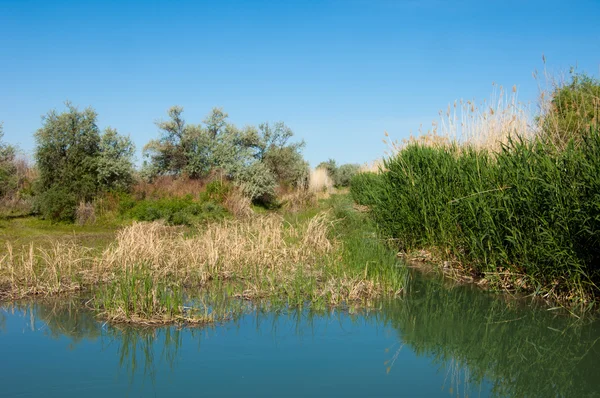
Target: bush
{"type": "Point", "coordinates": [8, 182]}
{"type": "Point", "coordinates": [258, 183]}
{"type": "Point", "coordinates": [344, 174]}
{"type": "Point", "coordinates": [175, 211]}
{"type": "Point", "coordinates": [216, 191]}
{"type": "Point", "coordinates": [76, 162]}
{"type": "Point", "coordinates": [57, 204]}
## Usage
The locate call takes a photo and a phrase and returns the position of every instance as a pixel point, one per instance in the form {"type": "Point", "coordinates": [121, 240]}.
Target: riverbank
{"type": "Point", "coordinates": [326, 255]}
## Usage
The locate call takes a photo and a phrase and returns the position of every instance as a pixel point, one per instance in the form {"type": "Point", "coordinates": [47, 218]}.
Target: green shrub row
{"type": "Point", "coordinates": [178, 211]}
{"type": "Point", "coordinates": [530, 211]}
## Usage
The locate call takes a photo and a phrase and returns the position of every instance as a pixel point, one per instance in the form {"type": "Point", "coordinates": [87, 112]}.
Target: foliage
{"type": "Point", "coordinates": [527, 218]}
{"type": "Point", "coordinates": [175, 211]}
{"type": "Point", "coordinates": [182, 148]}
{"type": "Point", "coordinates": [76, 162]}
{"type": "Point", "coordinates": [8, 181]}
{"type": "Point", "coordinates": [258, 182]}
{"type": "Point", "coordinates": [58, 203]}
{"type": "Point", "coordinates": [574, 107]}
{"type": "Point", "coordinates": [331, 167]}
{"type": "Point", "coordinates": [341, 175]}
{"type": "Point", "coordinates": [367, 188]}
{"type": "Point", "coordinates": [115, 161]}
{"type": "Point", "coordinates": [255, 158]}
{"type": "Point", "coordinates": [344, 174]}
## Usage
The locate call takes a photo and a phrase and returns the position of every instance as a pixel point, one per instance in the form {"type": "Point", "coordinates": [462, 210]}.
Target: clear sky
{"type": "Point", "coordinates": [338, 72]}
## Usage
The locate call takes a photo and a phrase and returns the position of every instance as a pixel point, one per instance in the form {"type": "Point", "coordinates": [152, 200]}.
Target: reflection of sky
{"type": "Point", "coordinates": [265, 355]}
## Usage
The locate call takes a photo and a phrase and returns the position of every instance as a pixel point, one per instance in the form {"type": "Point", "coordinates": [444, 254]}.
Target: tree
{"type": "Point", "coordinates": [8, 181]}
{"type": "Point", "coordinates": [216, 121]}
{"type": "Point", "coordinates": [183, 148]}
{"type": "Point", "coordinates": [115, 161]}
{"type": "Point", "coordinates": [73, 161]}
{"type": "Point", "coordinates": [256, 159]}
{"type": "Point", "coordinates": [167, 154]}
{"type": "Point", "coordinates": [272, 146]}
{"type": "Point", "coordinates": [344, 174]}
{"type": "Point", "coordinates": [330, 166]}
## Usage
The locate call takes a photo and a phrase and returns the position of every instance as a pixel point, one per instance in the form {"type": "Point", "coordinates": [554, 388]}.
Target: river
{"type": "Point", "coordinates": [436, 341]}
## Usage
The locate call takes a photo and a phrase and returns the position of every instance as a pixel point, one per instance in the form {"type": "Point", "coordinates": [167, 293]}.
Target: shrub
{"type": "Point", "coordinates": [175, 211]}
{"type": "Point", "coordinates": [216, 191]}
{"type": "Point", "coordinates": [258, 183]}
{"type": "Point", "coordinates": [344, 174]}
{"type": "Point", "coordinates": [76, 162]}
{"type": "Point", "coordinates": [57, 204]}
{"type": "Point", "coordinates": [8, 182]}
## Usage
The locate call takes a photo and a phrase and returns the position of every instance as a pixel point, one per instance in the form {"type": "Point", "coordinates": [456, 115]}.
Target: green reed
{"type": "Point", "coordinates": [525, 218]}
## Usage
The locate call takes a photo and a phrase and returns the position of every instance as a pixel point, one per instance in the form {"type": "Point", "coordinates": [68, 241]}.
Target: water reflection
{"type": "Point", "coordinates": [477, 341]}
{"type": "Point", "coordinates": [520, 349]}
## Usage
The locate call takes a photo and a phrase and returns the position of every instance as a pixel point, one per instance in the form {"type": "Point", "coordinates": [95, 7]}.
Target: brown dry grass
{"type": "Point", "coordinates": [299, 199]}
{"type": "Point", "coordinates": [265, 257]}
{"type": "Point", "coordinates": [320, 181]}
{"type": "Point", "coordinates": [375, 166]}
{"type": "Point", "coordinates": [168, 187]}
{"type": "Point", "coordinates": [239, 205]}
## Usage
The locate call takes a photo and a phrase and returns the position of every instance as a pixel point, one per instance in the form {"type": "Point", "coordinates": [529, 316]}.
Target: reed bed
{"type": "Point", "coordinates": [150, 269]}
{"type": "Point", "coordinates": [526, 218]}
{"type": "Point", "coordinates": [500, 195]}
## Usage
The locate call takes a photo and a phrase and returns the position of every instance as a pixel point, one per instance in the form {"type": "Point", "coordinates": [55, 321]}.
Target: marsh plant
{"type": "Point", "coordinates": [321, 259]}
{"type": "Point", "coordinates": [522, 214]}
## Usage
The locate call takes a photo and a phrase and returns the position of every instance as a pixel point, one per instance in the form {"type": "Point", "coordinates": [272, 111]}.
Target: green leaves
{"type": "Point", "coordinates": [76, 161]}
{"type": "Point", "coordinates": [257, 159]}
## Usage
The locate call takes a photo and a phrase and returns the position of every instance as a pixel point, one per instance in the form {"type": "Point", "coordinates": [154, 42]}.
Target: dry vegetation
{"type": "Point", "coordinates": [140, 275]}
{"type": "Point", "coordinates": [320, 181]}
{"type": "Point", "coordinates": [483, 126]}
{"type": "Point", "coordinates": [170, 187]}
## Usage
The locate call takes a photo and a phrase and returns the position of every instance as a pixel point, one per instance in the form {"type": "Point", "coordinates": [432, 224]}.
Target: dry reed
{"type": "Point", "coordinates": [320, 181]}
{"type": "Point", "coordinates": [299, 199]}
{"type": "Point", "coordinates": [375, 166]}
{"type": "Point", "coordinates": [265, 257]}
{"type": "Point", "coordinates": [483, 126]}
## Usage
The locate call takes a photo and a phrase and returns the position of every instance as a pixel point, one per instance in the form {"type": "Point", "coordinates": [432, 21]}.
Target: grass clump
{"type": "Point", "coordinates": [136, 296]}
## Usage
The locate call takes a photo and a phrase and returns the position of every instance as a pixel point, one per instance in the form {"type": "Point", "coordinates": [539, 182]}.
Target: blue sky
{"type": "Point", "coordinates": [337, 72]}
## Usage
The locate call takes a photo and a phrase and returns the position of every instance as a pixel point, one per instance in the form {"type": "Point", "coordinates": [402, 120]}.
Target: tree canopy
{"type": "Point", "coordinates": [255, 158]}
{"type": "Point", "coordinates": [76, 161]}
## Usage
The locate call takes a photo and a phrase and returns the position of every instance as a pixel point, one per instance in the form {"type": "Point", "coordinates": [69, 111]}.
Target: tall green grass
{"type": "Point", "coordinates": [527, 217]}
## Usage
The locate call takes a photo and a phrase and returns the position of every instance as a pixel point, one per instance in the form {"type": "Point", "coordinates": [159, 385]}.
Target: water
{"type": "Point", "coordinates": [437, 341]}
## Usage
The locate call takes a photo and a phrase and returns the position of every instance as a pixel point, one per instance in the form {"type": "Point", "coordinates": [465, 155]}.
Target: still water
{"type": "Point", "coordinates": [437, 341]}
